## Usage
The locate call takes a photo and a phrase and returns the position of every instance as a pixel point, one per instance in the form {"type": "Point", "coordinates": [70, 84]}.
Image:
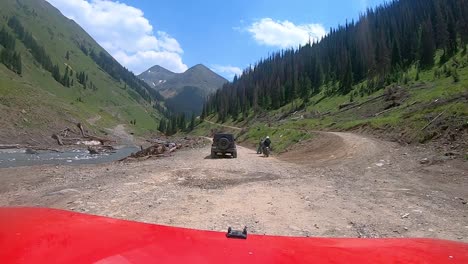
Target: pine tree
{"type": "Point", "coordinates": [5, 57]}
{"type": "Point", "coordinates": [181, 123]}
{"type": "Point", "coordinates": [396, 55]}
{"type": "Point", "coordinates": [162, 125]}
{"type": "Point", "coordinates": [204, 110]}
{"type": "Point", "coordinates": [426, 46]}
{"type": "Point", "coordinates": [173, 125]}
{"type": "Point", "coordinates": [66, 78]}
{"type": "Point", "coordinates": [275, 95]}
{"type": "Point", "coordinates": [56, 73]}
{"type": "Point", "coordinates": [168, 130]}
{"type": "Point", "coordinates": [455, 75]}
{"type": "Point", "coordinates": [347, 82]}
{"type": "Point", "coordinates": [18, 64]}
{"type": "Point", "coordinates": [306, 89]}
{"type": "Point", "coordinates": [318, 77]}
{"type": "Point", "coordinates": [441, 32]}
{"type": "Point", "coordinates": [7, 40]}
{"type": "Point", "coordinates": [192, 122]}
{"type": "Point", "coordinates": [452, 45]}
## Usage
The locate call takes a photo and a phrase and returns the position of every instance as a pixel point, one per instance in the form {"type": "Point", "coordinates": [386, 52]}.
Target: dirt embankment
{"type": "Point", "coordinates": [334, 185]}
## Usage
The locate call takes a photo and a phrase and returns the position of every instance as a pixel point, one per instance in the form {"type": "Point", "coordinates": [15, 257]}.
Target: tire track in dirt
{"type": "Point", "coordinates": [327, 148]}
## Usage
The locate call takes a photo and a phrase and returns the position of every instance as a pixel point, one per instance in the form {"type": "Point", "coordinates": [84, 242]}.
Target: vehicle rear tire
{"type": "Point", "coordinates": [213, 155]}
{"type": "Point", "coordinates": [234, 155]}
{"type": "Point", "coordinates": [223, 143]}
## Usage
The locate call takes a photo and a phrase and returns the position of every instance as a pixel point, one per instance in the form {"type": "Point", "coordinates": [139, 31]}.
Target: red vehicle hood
{"type": "Point", "coordinates": [40, 235]}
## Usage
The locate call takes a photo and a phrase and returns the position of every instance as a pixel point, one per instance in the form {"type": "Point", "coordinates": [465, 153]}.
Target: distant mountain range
{"type": "Point", "coordinates": [184, 92]}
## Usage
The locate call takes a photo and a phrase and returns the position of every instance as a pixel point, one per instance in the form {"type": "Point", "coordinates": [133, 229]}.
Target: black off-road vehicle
{"type": "Point", "coordinates": [223, 143]}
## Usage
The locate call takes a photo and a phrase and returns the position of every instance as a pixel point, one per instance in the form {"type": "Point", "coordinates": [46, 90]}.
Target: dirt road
{"type": "Point", "coordinates": [335, 185]}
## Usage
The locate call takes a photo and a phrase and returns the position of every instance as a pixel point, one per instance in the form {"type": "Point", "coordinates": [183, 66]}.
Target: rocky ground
{"type": "Point", "coordinates": [335, 185]}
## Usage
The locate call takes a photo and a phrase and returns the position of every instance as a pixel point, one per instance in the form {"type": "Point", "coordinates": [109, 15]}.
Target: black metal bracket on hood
{"type": "Point", "coordinates": [237, 233]}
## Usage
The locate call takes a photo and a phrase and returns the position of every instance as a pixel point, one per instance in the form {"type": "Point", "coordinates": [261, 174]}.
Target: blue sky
{"type": "Point", "coordinates": [226, 37]}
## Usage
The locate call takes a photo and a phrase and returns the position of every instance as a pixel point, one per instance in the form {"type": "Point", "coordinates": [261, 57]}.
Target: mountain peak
{"type": "Point", "coordinates": [186, 90]}
{"type": "Point", "coordinates": [156, 75]}
{"type": "Point", "coordinates": [157, 68]}
{"type": "Point", "coordinates": [198, 67]}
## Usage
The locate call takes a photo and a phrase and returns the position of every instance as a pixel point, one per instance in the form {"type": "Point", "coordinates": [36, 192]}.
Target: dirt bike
{"type": "Point", "coordinates": [266, 151]}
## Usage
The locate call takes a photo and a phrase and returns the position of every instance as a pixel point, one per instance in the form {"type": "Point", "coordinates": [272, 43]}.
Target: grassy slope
{"type": "Point", "coordinates": [47, 104]}
{"type": "Point", "coordinates": [427, 98]}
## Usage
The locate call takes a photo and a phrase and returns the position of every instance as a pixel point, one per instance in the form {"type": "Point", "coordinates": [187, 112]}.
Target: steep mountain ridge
{"type": "Point", "coordinates": [170, 83]}
{"type": "Point", "coordinates": [65, 77]}
{"type": "Point", "coordinates": [156, 75]}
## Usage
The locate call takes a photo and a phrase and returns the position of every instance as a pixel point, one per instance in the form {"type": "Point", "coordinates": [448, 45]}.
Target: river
{"type": "Point", "coordinates": [19, 157]}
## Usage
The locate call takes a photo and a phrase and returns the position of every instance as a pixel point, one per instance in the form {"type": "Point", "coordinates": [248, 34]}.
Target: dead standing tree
{"type": "Point", "coordinates": [81, 130]}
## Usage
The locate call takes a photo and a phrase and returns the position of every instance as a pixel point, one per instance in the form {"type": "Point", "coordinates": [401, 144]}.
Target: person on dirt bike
{"type": "Point", "coordinates": [266, 143]}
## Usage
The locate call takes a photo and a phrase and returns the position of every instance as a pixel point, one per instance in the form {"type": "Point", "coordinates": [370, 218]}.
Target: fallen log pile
{"type": "Point", "coordinates": [95, 144]}
{"type": "Point", "coordinates": [192, 142]}
{"type": "Point", "coordinates": [100, 149]}
{"type": "Point", "coordinates": [157, 150]}
{"type": "Point", "coordinates": [185, 142]}
{"type": "Point", "coordinates": [165, 147]}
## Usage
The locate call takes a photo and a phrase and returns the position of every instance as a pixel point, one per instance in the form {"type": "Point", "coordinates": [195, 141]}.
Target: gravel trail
{"type": "Point", "coordinates": [334, 185]}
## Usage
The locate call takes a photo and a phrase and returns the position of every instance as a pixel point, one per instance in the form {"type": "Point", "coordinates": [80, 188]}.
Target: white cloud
{"type": "Point", "coordinates": [284, 34]}
{"type": "Point", "coordinates": [125, 33]}
{"type": "Point", "coordinates": [227, 71]}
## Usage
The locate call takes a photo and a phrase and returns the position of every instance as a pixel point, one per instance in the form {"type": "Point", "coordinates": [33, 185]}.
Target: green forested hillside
{"type": "Point", "coordinates": [358, 58]}
{"type": "Point", "coordinates": [401, 69]}
{"type": "Point", "coordinates": [52, 74]}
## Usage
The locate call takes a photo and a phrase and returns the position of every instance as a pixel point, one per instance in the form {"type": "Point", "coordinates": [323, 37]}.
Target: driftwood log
{"type": "Point", "coordinates": [156, 150]}
{"type": "Point", "coordinates": [341, 106]}
{"type": "Point", "coordinates": [15, 146]}
{"type": "Point", "coordinates": [432, 121]}
{"type": "Point", "coordinates": [58, 138]}
{"type": "Point", "coordinates": [81, 129]}
{"type": "Point", "coordinates": [384, 111]}
{"type": "Point", "coordinates": [150, 151]}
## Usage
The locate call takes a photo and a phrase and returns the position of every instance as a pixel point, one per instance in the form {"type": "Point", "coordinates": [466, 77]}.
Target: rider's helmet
{"type": "Point", "coordinates": [267, 137]}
